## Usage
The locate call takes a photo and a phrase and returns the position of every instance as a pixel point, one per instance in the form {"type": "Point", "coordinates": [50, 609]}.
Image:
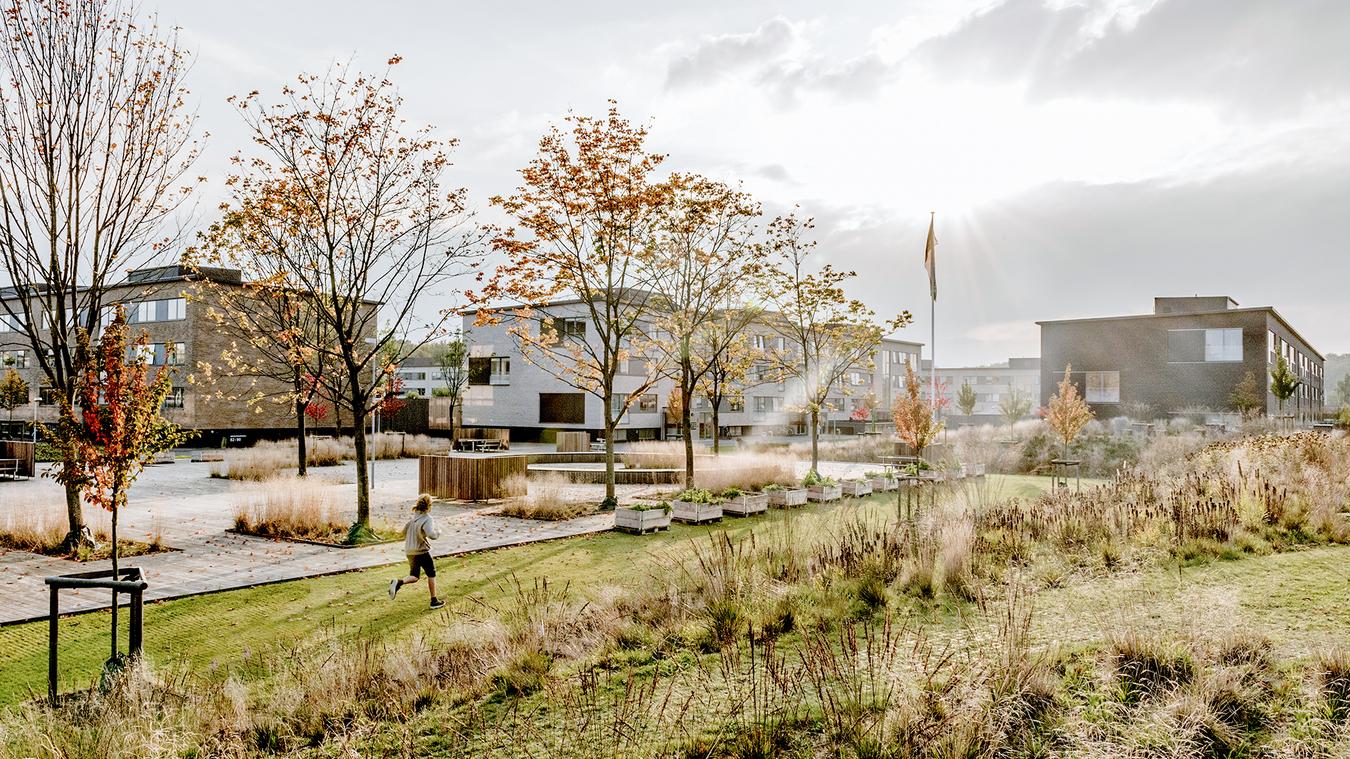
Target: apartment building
{"type": "Point", "coordinates": [172, 306]}
{"type": "Point", "coordinates": [504, 390]}
{"type": "Point", "coordinates": [1189, 354]}
{"type": "Point", "coordinates": [992, 385]}
{"type": "Point", "coordinates": [421, 376]}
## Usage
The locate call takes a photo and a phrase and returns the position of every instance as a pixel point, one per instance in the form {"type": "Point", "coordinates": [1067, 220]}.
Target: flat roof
{"type": "Point", "coordinates": [1184, 314]}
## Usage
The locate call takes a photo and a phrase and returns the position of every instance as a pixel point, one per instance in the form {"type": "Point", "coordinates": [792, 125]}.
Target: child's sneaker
{"type": "Point", "coordinates": [394, 585]}
{"type": "Point", "coordinates": [437, 603]}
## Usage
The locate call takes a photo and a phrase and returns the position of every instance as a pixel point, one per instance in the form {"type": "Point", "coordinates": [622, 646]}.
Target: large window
{"type": "Point", "coordinates": [765, 404]}
{"type": "Point", "coordinates": [1223, 345]}
{"type": "Point", "coordinates": [489, 370]}
{"type": "Point", "coordinates": [1103, 387]}
{"type": "Point", "coordinates": [16, 359]}
{"type": "Point", "coordinates": [1186, 346]}
{"type": "Point", "coordinates": [569, 327]}
{"type": "Point", "coordinates": [11, 322]}
{"type": "Point", "coordinates": [175, 398]}
{"type": "Point", "coordinates": [165, 310]}
{"type": "Point", "coordinates": [562, 408]}
{"type": "Point", "coordinates": [647, 403]}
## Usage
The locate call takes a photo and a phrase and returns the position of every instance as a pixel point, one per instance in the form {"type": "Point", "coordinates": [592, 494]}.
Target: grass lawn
{"type": "Point", "coordinates": [1295, 597]}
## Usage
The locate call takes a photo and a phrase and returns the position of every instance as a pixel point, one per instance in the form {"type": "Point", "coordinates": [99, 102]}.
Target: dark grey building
{"type": "Point", "coordinates": [1190, 353]}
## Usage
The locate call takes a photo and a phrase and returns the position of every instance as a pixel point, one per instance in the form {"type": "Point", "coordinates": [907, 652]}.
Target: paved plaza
{"type": "Point", "coordinates": [193, 512]}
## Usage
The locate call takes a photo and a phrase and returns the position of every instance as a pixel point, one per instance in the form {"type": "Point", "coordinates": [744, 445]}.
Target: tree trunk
{"type": "Point", "coordinates": [113, 657]}
{"type": "Point", "coordinates": [716, 428]}
{"type": "Point", "coordinates": [815, 437]}
{"type": "Point", "coordinates": [301, 453]}
{"type": "Point", "coordinates": [78, 535]}
{"type": "Point", "coordinates": [362, 524]}
{"type": "Point", "coordinates": [609, 457]}
{"type": "Point", "coordinates": [687, 431]}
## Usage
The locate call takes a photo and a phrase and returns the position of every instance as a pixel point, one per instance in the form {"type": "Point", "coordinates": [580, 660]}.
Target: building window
{"type": "Point", "coordinates": [14, 359]}
{"type": "Point", "coordinates": [616, 402]}
{"type": "Point", "coordinates": [1186, 346]}
{"type": "Point", "coordinates": [736, 405]}
{"type": "Point", "coordinates": [647, 403]}
{"type": "Point", "coordinates": [46, 396]}
{"type": "Point", "coordinates": [489, 370]}
{"type": "Point", "coordinates": [170, 354]}
{"type": "Point", "coordinates": [765, 404]}
{"type": "Point", "coordinates": [143, 354]}
{"type": "Point", "coordinates": [11, 322]}
{"type": "Point", "coordinates": [562, 408]}
{"type": "Point", "coordinates": [164, 310]}
{"type": "Point", "coordinates": [175, 398]}
{"type": "Point", "coordinates": [1103, 387]}
{"type": "Point", "coordinates": [1223, 345]}
{"type": "Point", "coordinates": [565, 327]}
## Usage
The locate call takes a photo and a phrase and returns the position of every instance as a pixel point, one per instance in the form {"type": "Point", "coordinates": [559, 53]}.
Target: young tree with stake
{"type": "Point", "coordinates": [96, 141]}
{"type": "Point", "coordinates": [348, 205]}
{"type": "Point", "coordinates": [966, 399]}
{"type": "Point", "coordinates": [120, 429]}
{"type": "Point", "coordinates": [1014, 407]}
{"type": "Point", "coordinates": [586, 217]}
{"type": "Point", "coordinates": [1067, 413]}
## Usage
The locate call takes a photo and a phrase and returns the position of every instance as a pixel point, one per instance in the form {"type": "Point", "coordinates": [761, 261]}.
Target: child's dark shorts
{"type": "Point", "coordinates": [418, 562]}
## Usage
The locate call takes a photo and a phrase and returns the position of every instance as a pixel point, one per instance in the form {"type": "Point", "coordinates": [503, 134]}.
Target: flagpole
{"type": "Point", "coordinates": [930, 249]}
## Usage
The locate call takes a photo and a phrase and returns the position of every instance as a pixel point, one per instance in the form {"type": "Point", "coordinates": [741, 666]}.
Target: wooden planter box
{"type": "Point", "coordinates": [932, 475]}
{"type": "Point", "coordinates": [696, 513]}
{"type": "Point", "coordinates": [825, 493]}
{"type": "Point", "coordinates": [884, 484]}
{"type": "Point", "coordinates": [856, 489]}
{"type": "Point", "coordinates": [641, 521]}
{"type": "Point", "coordinates": [747, 504]}
{"type": "Point", "coordinates": [786, 498]}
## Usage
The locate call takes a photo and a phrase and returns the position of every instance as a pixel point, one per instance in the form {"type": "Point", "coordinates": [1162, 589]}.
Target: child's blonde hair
{"type": "Point", "coordinates": [423, 504]}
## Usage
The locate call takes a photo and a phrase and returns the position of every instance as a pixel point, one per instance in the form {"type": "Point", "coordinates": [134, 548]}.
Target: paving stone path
{"type": "Point", "coordinates": [193, 512]}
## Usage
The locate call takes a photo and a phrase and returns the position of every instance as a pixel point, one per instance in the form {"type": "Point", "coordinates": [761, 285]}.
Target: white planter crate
{"type": "Point", "coordinates": [884, 484]}
{"type": "Point", "coordinates": [747, 504]}
{"type": "Point", "coordinates": [696, 513]}
{"type": "Point", "coordinates": [795, 497]}
{"type": "Point", "coordinates": [824, 493]}
{"type": "Point", "coordinates": [856, 489]}
{"type": "Point", "coordinates": [640, 521]}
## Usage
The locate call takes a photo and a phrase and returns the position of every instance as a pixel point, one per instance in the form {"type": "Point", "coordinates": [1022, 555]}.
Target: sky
{"type": "Point", "coordinates": [1080, 157]}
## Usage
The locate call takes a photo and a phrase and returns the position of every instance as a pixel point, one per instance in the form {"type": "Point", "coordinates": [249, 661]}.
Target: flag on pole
{"type": "Point", "coordinates": [930, 257]}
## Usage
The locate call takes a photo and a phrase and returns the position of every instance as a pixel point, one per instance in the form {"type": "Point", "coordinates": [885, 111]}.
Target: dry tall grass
{"type": "Point", "coordinates": [293, 508]}
{"type": "Point", "coordinates": [852, 680]}
{"type": "Point", "coordinates": [545, 498]}
{"type": "Point", "coordinates": [268, 459]}
{"type": "Point", "coordinates": [38, 524]}
{"type": "Point", "coordinates": [744, 471]}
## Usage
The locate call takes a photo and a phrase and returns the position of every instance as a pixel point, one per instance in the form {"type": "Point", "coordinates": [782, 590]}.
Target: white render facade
{"type": "Point", "coordinates": [992, 384]}
{"type": "Point", "coordinates": [506, 391]}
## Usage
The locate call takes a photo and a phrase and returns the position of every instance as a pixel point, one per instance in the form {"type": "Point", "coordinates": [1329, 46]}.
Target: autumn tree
{"type": "Point", "coordinates": [1284, 383]}
{"type": "Point", "coordinates": [912, 413]}
{"type": "Point", "coordinates": [730, 356]}
{"type": "Point", "coordinates": [278, 343]}
{"type": "Point", "coordinates": [1067, 413]}
{"type": "Point", "coordinates": [826, 334]}
{"type": "Point", "coordinates": [1246, 396]}
{"type": "Point", "coordinates": [1014, 407]}
{"type": "Point", "coordinates": [346, 204]}
{"type": "Point", "coordinates": [454, 373]}
{"type": "Point", "coordinates": [700, 269]}
{"type": "Point", "coordinates": [966, 399]}
{"type": "Point", "coordinates": [120, 429]}
{"type": "Point", "coordinates": [13, 392]}
{"type": "Point", "coordinates": [574, 292]}
{"type": "Point", "coordinates": [96, 140]}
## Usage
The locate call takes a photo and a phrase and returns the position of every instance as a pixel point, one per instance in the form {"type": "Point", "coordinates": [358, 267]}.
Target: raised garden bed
{"type": "Point", "coordinates": [642, 520]}
{"type": "Point", "coordinates": [824, 493]}
{"type": "Point", "coordinates": [884, 484]}
{"type": "Point", "coordinates": [787, 498]}
{"type": "Point", "coordinates": [695, 513]}
{"type": "Point", "coordinates": [746, 504]}
{"type": "Point", "coordinates": [856, 489]}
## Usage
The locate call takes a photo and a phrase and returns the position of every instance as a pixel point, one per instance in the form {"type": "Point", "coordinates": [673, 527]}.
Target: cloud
{"type": "Point", "coordinates": [715, 57]}
{"type": "Point", "coordinates": [1252, 57]}
{"type": "Point", "coordinates": [856, 78]}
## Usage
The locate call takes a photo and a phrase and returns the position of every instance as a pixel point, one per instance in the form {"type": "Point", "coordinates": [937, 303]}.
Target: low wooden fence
{"type": "Point", "coordinates": [471, 478]}
{"type": "Point", "coordinates": [573, 441]}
